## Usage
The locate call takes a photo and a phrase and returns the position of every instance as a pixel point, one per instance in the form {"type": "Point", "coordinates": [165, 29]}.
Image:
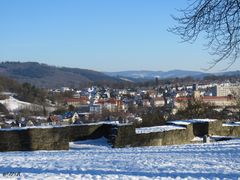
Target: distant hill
{"type": "Point", "coordinates": [229, 73]}
{"type": "Point", "coordinates": [147, 75]}
{"type": "Point", "coordinates": [138, 76]}
{"type": "Point", "coordinates": [46, 76]}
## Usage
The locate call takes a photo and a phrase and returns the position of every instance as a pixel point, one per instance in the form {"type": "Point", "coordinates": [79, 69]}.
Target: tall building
{"type": "Point", "coordinates": [225, 89]}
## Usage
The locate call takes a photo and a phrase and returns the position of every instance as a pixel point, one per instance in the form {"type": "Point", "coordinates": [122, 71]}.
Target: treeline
{"type": "Point", "coordinates": [8, 84]}
{"type": "Point", "coordinates": [25, 92]}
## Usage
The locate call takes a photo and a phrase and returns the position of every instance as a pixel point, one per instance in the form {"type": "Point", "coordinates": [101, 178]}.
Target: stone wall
{"type": "Point", "coordinates": [126, 137]}
{"type": "Point", "coordinates": [34, 139]}
{"type": "Point", "coordinates": [56, 138]}
{"type": "Point", "coordinates": [91, 131]}
{"type": "Point", "coordinates": [221, 130]}
{"type": "Point", "coordinates": [123, 136]}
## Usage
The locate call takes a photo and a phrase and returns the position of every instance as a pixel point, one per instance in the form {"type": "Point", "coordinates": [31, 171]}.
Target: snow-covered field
{"type": "Point", "coordinates": [96, 160]}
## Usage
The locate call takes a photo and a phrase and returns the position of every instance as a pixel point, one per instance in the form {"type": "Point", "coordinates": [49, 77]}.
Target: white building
{"type": "Point", "coordinates": [225, 89]}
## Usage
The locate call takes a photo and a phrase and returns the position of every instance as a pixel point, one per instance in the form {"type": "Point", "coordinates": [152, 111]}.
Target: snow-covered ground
{"type": "Point", "coordinates": [96, 160]}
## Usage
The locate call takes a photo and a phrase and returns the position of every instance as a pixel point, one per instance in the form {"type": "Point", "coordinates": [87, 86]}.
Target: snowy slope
{"type": "Point", "coordinates": [13, 104]}
{"type": "Point", "coordinates": [96, 160]}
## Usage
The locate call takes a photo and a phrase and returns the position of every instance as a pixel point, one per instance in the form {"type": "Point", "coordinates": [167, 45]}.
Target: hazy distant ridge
{"type": "Point", "coordinates": [154, 74]}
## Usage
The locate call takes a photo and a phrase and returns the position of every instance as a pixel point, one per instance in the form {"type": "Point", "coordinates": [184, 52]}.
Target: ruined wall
{"type": "Point", "coordinates": [84, 131]}
{"type": "Point", "coordinates": [56, 138]}
{"type": "Point", "coordinates": [34, 139]}
{"type": "Point", "coordinates": [230, 131]}
{"type": "Point", "coordinates": [220, 130]}
{"type": "Point", "coordinates": [215, 128]}
{"type": "Point", "coordinates": [126, 137]}
{"type": "Point", "coordinates": [123, 136]}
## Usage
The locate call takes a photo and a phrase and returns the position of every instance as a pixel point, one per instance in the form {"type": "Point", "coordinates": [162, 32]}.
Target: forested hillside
{"type": "Point", "coordinates": [42, 75]}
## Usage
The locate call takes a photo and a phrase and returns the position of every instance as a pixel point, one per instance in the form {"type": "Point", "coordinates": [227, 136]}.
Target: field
{"type": "Point", "coordinates": [95, 159]}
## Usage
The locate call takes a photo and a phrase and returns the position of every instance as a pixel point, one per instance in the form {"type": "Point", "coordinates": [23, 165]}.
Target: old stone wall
{"type": "Point", "coordinates": [34, 139]}
{"type": "Point", "coordinates": [55, 138]}
{"type": "Point", "coordinates": [123, 136]}
{"type": "Point", "coordinates": [126, 136]}
{"type": "Point", "coordinates": [225, 131]}
{"type": "Point", "coordinates": [84, 132]}
{"type": "Point", "coordinates": [58, 138]}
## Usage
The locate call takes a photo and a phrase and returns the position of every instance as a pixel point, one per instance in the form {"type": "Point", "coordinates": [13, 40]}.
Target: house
{"type": "Point", "coordinates": [83, 100]}
{"type": "Point", "coordinates": [8, 123]}
{"type": "Point", "coordinates": [158, 101]}
{"type": "Point", "coordinates": [83, 108]}
{"type": "Point", "coordinates": [146, 103]}
{"type": "Point", "coordinates": [111, 104]}
{"type": "Point", "coordinates": [96, 108]}
{"type": "Point", "coordinates": [1, 125]}
{"type": "Point", "coordinates": [64, 89]}
{"type": "Point", "coordinates": [82, 117]}
{"type": "Point", "coordinates": [152, 93]}
{"type": "Point", "coordinates": [219, 101]}
{"type": "Point", "coordinates": [22, 122]}
{"type": "Point", "coordinates": [54, 120]}
{"type": "Point", "coordinates": [70, 117]}
{"type": "Point", "coordinates": [29, 123]}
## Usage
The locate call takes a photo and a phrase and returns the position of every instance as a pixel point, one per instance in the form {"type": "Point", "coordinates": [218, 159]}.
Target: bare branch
{"type": "Point", "coordinates": [219, 21]}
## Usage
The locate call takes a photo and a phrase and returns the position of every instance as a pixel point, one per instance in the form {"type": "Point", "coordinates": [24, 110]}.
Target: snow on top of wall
{"type": "Point", "coordinates": [179, 122]}
{"type": "Point", "coordinates": [30, 127]}
{"type": "Point", "coordinates": [232, 124]}
{"type": "Point", "coordinates": [60, 126]}
{"type": "Point", "coordinates": [201, 120]}
{"type": "Point", "coordinates": [146, 130]}
{"type": "Point", "coordinates": [190, 121]}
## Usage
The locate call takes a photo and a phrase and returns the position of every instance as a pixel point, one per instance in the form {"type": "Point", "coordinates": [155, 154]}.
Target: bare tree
{"type": "Point", "coordinates": [218, 20]}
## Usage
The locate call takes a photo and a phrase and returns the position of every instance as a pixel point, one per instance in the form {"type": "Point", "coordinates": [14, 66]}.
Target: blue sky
{"type": "Point", "coordinates": [103, 35]}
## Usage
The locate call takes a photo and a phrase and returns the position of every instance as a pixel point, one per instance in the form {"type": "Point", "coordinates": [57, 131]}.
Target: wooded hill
{"type": "Point", "coordinates": [45, 76]}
